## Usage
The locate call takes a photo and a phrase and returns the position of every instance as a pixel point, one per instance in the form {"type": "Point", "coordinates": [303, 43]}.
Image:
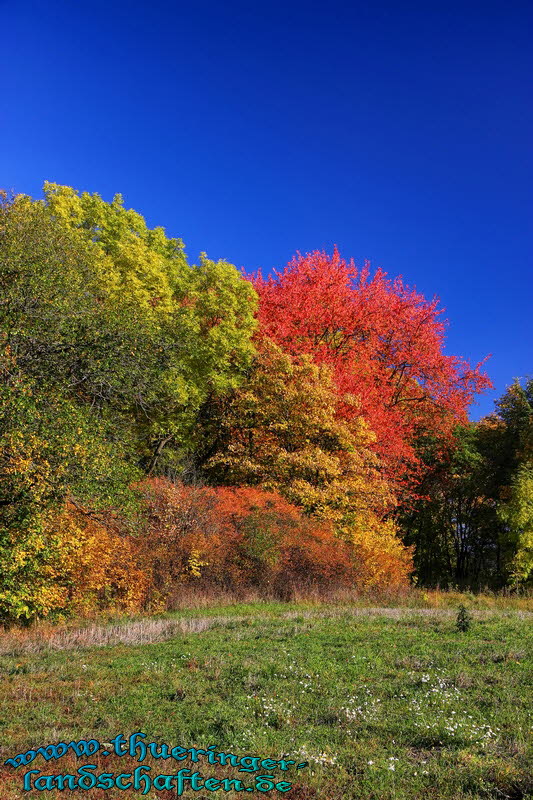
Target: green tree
{"type": "Point", "coordinates": [517, 513]}
{"type": "Point", "coordinates": [109, 344]}
{"type": "Point", "coordinates": [192, 324]}
{"type": "Point", "coordinates": [454, 524]}
{"type": "Point", "coordinates": [516, 508]}
{"type": "Point", "coordinates": [472, 523]}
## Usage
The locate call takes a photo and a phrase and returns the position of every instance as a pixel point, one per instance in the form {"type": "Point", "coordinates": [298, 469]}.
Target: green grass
{"type": "Point", "coordinates": [382, 707]}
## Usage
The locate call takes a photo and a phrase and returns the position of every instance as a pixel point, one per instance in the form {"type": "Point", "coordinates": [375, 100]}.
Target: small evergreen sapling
{"type": "Point", "coordinates": [464, 619]}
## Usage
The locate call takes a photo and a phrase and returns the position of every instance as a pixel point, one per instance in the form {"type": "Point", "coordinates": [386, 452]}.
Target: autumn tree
{"type": "Point", "coordinates": [384, 343]}
{"type": "Point", "coordinates": [101, 309]}
{"type": "Point", "coordinates": [52, 445]}
{"type": "Point", "coordinates": [280, 431]}
{"type": "Point", "coordinates": [195, 322]}
{"type": "Point", "coordinates": [109, 344]}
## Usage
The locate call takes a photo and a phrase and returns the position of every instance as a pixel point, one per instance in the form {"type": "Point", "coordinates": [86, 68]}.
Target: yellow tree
{"type": "Point", "coordinates": [280, 432]}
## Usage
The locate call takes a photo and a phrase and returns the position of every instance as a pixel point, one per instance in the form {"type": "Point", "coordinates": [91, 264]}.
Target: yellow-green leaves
{"type": "Point", "coordinates": [110, 342]}
{"type": "Point", "coordinates": [518, 514]}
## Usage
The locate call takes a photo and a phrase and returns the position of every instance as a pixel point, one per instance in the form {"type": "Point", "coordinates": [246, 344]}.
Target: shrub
{"type": "Point", "coordinates": [239, 538]}
{"type": "Point", "coordinates": [464, 620]}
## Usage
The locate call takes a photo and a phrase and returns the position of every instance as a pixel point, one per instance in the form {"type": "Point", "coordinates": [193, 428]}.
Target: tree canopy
{"type": "Point", "coordinates": [312, 419]}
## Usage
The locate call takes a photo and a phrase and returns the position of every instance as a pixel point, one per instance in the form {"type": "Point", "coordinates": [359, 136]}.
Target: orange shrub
{"type": "Point", "coordinates": [236, 538]}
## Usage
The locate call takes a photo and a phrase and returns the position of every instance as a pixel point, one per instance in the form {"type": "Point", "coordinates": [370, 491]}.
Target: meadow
{"type": "Point", "coordinates": [382, 703]}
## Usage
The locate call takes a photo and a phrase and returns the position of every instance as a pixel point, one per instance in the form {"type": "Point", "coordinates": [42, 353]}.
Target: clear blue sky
{"type": "Point", "coordinates": [399, 131]}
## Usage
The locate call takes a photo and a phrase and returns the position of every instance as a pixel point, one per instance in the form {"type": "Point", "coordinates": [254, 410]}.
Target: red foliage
{"type": "Point", "coordinates": [277, 543]}
{"type": "Point", "coordinates": [240, 537]}
{"type": "Point", "coordinates": [384, 341]}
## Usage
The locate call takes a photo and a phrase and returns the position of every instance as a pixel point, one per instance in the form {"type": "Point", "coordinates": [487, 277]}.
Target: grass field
{"type": "Point", "coordinates": [381, 703]}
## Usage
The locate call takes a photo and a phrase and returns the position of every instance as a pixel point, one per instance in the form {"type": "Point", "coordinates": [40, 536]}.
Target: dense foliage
{"type": "Point", "coordinates": [473, 524]}
{"type": "Point", "coordinates": [384, 342]}
{"type": "Point", "coordinates": [162, 422]}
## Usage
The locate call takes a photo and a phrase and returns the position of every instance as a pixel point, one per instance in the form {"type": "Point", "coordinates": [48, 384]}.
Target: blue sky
{"type": "Point", "coordinates": [398, 131]}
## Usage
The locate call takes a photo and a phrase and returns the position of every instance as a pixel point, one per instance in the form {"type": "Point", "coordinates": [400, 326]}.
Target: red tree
{"type": "Point", "coordinates": [385, 343]}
